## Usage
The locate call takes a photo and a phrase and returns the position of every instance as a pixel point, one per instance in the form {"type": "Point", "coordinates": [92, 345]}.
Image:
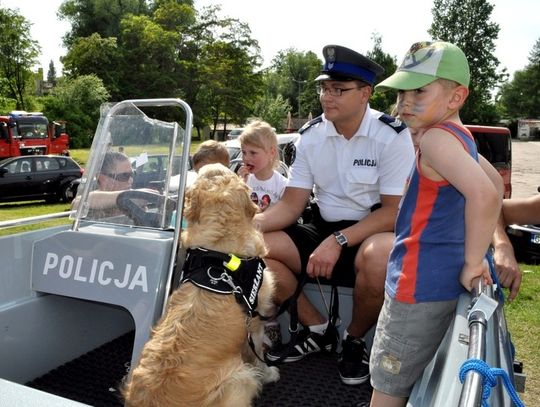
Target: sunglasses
{"type": "Point", "coordinates": [121, 176]}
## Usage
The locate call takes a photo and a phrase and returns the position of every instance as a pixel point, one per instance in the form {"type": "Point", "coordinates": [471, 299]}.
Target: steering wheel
{"type": "Point", "coordinates": [136, 203]}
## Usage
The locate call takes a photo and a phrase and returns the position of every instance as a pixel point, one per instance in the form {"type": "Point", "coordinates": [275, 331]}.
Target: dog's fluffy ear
{"type": "Point", "coordinates": [192, 205]}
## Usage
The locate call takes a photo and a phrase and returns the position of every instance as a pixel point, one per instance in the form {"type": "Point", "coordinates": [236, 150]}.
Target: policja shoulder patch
{"type": "Point", "coordinates": [309, 124]}
{"type": "Point", "coordinates": [393, 122]}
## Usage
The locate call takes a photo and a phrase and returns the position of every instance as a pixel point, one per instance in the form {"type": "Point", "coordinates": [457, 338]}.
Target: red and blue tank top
{"type": "Point", "coordinates": [429, 250]}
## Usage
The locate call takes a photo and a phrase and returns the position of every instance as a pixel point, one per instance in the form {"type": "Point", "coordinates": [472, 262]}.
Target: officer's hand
{"type": "Point", "coordinates": [322, 261]}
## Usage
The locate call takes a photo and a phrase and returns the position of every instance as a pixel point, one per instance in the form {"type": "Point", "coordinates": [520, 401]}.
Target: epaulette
{"type": "Point", "coordinates": [396, 124]}
{"type": "Point", "coordinates": [312, 122]}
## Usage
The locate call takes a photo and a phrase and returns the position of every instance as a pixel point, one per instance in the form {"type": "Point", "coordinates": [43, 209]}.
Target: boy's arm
{"type": "Point", "coordinates": [444, 157]}
{"type": "Point", "coordinates": [506, 266]}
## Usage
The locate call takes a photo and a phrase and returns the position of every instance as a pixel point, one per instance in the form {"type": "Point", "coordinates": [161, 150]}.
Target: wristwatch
{"type": "Point", "coordinates": [341, 239]}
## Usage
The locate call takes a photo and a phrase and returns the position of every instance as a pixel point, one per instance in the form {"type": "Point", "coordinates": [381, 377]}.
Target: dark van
{"type": "Point", "coordinates": [495, 144]}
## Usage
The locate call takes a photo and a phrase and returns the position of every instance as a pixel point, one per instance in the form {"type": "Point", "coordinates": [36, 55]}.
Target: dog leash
{"type": "Point", "coordinates": [291, 305]}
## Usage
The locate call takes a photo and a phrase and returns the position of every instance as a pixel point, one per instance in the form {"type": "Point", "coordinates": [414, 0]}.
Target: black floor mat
{"type": "Point", "coordinates": [94, 379]}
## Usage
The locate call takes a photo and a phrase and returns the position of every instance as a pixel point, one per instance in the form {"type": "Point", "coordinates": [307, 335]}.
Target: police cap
{"type": "Point", "coordinates": [344, 64]}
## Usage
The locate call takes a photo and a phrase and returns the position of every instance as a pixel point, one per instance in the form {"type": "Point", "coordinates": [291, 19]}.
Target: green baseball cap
{"type": "Point", "coordinates": [426, 62]}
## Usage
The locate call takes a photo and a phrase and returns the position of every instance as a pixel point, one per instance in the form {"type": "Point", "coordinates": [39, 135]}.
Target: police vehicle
{"type": "Point", "coordinates": [77, 302]}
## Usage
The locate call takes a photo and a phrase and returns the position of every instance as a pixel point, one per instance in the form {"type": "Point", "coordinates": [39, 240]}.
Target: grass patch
{"type": "Point", "coordinates": [523, 318]}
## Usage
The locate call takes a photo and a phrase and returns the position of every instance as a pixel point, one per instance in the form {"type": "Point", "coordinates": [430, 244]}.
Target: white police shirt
{"type": "Point", "coordinates": [348, 176]}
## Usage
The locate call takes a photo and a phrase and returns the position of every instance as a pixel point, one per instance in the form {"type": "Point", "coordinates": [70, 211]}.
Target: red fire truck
{"type": "Point", "coordinates": [23, 133]}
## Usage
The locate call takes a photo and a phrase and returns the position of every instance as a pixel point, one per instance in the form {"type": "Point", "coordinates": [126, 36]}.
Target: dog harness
{"type": "Point", "coordinates": [226, 274]}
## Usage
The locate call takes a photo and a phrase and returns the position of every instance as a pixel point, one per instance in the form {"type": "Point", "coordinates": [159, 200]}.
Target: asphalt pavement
{"type": "Point", "coordinates": [525, 168]}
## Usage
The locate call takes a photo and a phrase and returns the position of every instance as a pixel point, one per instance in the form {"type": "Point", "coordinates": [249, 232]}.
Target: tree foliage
{"type": "Point", "coordinates": [19, 53]}
{"type": "Point", "coordinates": [169, 50]}
{"type": "Point", "coordinates": [97, 16]}
{"type": "Point", "coordinates": [520, 98]}
{"type": "Point", "coordinates": [51, 73]}
{"type": "Point", "coordinates": [383, 101]}
{"type": "Point", "coordinates": [273, 110]}
{"type": "Point", "coordinates": [77, 101]}
{"type": "Point", "coordinates": [292, 75]}
{"type": "Point", "coordinates": [467, 24]}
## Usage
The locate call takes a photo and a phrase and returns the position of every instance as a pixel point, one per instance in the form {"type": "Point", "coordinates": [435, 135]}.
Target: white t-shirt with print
{"type": "Point", "coordinates": [267, 192]}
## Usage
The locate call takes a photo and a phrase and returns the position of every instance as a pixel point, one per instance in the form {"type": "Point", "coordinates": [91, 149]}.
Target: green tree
{"type": "Point", "coordinates": [173, 51]}
{"type": "Point", "coordinates": [77, 101]}
{"type": "Point", "coordinates": [51, 73]}
{"type": "Point", "coordinates": [467, 24]}
{"type": "Point", "coordinates": [383, 101]}
{"type": "Point", "coordinates": [97, 16]}
{"type": "Point", "coordinates": [148, 59]}
{"type": "Point", "coordinates": [293, 74]}
{"type": "Point", "coordinates": [520, 98]}
{"type": "Point", "coordinates": [272, 110]}
{"type": "Point", "coordinates": [232, 86]}
{"type": "Point", "coordinates": [19, 53]}
{"type": "Point", "coordinates": [217, 71]}
{"type": "Point", "coordinates": [95, 55]}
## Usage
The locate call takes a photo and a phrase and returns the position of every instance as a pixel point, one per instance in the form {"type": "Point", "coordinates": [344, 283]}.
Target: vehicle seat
{"type": "Point", "coordinates": [25, 167]}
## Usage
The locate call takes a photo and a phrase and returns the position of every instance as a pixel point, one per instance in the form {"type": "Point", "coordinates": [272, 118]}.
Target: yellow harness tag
{"type": "Point", "coordinates": [233, 263]}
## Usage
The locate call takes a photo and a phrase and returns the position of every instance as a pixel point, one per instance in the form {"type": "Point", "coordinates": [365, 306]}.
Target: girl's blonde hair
{"type": "Point", "coordinates": [260, 134]}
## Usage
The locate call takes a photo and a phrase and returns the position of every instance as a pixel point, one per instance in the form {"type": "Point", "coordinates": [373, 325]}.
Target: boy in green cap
{"type": "Point", "coordinates": [445, 222]}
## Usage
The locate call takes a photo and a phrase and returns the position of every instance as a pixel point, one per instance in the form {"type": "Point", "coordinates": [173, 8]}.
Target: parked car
{"type": "Point", "coordinates": [526, 241]}
{"type": "Point", "coordinates": [150, 170]}
{"type": "Point", "coordinates": [33, 177]}
{"type": "Point", "coordinates": [234, 133]}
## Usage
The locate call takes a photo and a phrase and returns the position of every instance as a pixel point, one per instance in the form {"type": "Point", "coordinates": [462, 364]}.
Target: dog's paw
{"type": "Point", "coordinates": [270, 374]}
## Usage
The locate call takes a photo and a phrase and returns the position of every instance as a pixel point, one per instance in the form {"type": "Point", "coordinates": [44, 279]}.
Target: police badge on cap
{"type": "Point", "coordinates": [344, 64]}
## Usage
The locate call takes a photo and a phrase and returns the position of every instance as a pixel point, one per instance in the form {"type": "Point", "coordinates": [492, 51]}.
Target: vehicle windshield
{"type": "Point", "coordinates": [33, 131]}
{"type": "Point", "coordinates": [132, 158]}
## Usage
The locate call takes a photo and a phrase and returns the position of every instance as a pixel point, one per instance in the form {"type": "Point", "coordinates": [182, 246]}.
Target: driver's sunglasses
{"type": "Point", "coordinates": [121, 176]}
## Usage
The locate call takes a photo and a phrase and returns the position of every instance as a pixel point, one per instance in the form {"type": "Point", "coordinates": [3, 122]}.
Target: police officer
{"type": "Point", "coordinates": [354, 159]}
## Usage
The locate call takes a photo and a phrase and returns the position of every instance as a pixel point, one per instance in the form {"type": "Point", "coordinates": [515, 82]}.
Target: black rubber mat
{"type": "Point", "coordinates": [94, 379]}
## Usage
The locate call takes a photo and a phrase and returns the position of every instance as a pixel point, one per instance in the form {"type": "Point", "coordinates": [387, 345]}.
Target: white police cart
{"type": "Point", "coordinates": [71, 294]}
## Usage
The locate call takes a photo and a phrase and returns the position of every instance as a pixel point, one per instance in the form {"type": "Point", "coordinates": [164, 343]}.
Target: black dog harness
{"type": "Point", "coordinates": [226, 274]}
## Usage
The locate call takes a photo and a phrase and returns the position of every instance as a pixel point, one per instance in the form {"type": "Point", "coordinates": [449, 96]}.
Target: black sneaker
{"type": "Point", "coordinates": [306, 342]}
{"type": "Point", "coordinates": [353, 361]}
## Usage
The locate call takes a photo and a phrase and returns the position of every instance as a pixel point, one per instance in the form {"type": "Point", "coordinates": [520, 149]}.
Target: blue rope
{"type": "Point", "coordinates": [491, 262]}
{"type": "Point", "coordinates": [489, 376]}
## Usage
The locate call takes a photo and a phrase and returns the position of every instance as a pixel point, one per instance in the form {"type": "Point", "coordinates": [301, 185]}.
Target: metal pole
{"type": "Point", "coordinates": [471, 392]}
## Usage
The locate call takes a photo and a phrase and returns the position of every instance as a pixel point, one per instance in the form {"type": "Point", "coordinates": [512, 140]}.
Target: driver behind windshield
{"type": "Point", "coordinates": [115, 176]}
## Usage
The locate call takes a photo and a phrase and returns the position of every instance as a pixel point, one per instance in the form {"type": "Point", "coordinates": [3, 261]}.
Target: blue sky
{"type": "Point", "coordinates": [308, 25]}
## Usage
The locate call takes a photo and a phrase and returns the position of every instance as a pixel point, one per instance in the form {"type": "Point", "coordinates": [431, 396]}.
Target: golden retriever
{"type": "Point", "coordinates": [198, 354]}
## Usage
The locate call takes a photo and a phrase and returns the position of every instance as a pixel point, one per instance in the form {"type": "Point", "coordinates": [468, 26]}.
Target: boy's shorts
{"type": "Point", "coordinates": [406, 339]}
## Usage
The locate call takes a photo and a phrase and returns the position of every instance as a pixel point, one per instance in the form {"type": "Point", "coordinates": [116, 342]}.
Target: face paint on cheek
{"type": "Point", "coordinates": [419, 108]}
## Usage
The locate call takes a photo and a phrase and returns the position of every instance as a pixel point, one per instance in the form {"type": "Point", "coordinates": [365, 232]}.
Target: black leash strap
{"type": "Point", "coordinates": [290, 304]}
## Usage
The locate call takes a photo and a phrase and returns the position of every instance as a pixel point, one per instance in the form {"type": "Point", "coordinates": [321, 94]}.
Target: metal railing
{"type": "Point", "coordinates": [34, 219]}
{"type": "Point", "coordinates": [471, 392]}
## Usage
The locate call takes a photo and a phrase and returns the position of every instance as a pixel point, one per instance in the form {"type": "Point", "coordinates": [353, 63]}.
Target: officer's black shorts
{"type": "Point", "coordinates": [308, 236]}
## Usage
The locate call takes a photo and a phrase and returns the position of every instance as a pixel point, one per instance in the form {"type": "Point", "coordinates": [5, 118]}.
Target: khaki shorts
{"type": "Point", "coordinates": [406, 339]}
